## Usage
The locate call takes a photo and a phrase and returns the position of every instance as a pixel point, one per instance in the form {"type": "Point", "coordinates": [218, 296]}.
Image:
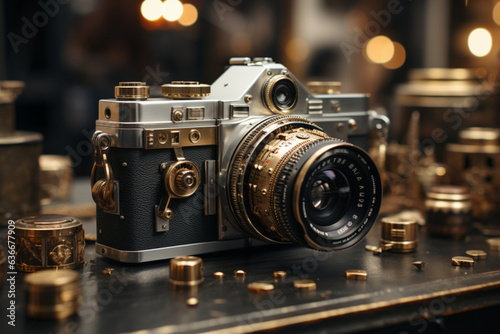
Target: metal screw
{"type": "Point", "coordinates": [164, 226]}
{"type": "Point", "coordinates": [352, 124]}
{"type": "Point", "coordinates": [163, 166]}
{"type": "Point", "coordinates": [248, 98]}
{"type": "Point", "coordinates": [122, 217]}
{"type": "Point", "coordinates": [124, 164]}
{"type": "Point", "coordinates": [177, 115]}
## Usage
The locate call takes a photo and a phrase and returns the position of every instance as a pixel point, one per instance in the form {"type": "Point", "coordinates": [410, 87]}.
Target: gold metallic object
{"type": "Point", "coordinates": [279, 274]}
{"type": "Point", "coordinates": [218, 274]}
{"type": "Point", "coordinates": [304, 285]}
{"type": "Point", "coordinates": [19, 167]}
{"type": "Point", "coordinates": [269, 93]}
{"type": "Point", "coordinates": [449, 211]}
{"type": "Point", "coordinates": [355, 274]}
{"type": "Point", "coordinates": [239, 273]}
{"type": "Point", "coordinates": [192, 301]}
{"type": "Point", "coordinates": [132, 91]}
{"type": "Point", "coordinates": [477, 254]}
{"type": "Point", "coordinates": [259, 287]}
{"type": "Point", "coordinates": [180, 137]}
{"type": "Point", "coordinates": [418, 264]}
{"type": "Point", "coordinates": [324, 87]}
{"type": "Point", "coordinates": [185, 90]}
{"type": "Point", "coordinates": [49, 242]}
{"type": "Point", "coordinates": [186, 271]}
{"type": "Point", "coordinates": [462, 261]}
{"type": "Point", "coordinates": [401, 233]}
{"type": "Point", "coordinates": [436, 91]}
{"type": "Point", "coordinates": [386, 247]}
{"type": "Point", "coordinates": [56, 178]}
{"type": "Point", "coordinates": [52, 294]}
{"type": "Point", "coordinates": [107, 271]}
{"type": "Point", "coordinates": [371, 248]}
{"type": "Point", "coordinates": [494, 244]}
{"type": "Point", "coordinates": [474, 161]}
{"type": "Point", "coordinates": [103, 190]}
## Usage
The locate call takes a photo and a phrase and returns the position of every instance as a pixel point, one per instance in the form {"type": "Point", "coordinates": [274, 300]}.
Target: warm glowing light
{"type": "Point", "coordinates": [496, 13]}
{"type": "Point", "coordinates": [380, 49]}
{"type": "Point", "coordinates": [189, 15]}
{"type": "Point", "coordinates": [172, 10]}
{"type": "Point", "coordinates": [151, 9]}
{"type": "Point", "coordinates": [480, 42]}
{"type": "Point", "coordinates": [297, 49]}
{"type": "Point", "coordinates": [398, 59]}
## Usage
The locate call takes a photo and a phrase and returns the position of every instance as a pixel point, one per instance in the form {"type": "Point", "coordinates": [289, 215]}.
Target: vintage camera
{"type": "Point", "coordinates": [253, 157]}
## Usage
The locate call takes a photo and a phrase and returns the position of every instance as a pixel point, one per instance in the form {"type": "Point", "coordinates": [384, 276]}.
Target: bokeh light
{"type": "Point", "coordinates": [297, 49]}
{"type": "Point", "coordinates": [189, 15]}
{"type": "Point", "coordinates": [151, 9]}
{"type": "Point", "coordinates": [496, 13]}
{"type": "Point", "coordinates": [399, 57]}
{"type": "Point", "coordinates": [172, 10]}
{"type": "Point", "coordinates": [480, 42]}
{"type": "Point", "coordinates": [380, 49]}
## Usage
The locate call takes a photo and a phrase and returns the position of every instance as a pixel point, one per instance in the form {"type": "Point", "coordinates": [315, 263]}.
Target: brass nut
{"type": "Point", "coordinates": [52, 294]}
{"type": "Point", "coordinates": [355, 274]}
{"type": "Point", "coordinates": [304, 285]}
{"type": "Point", "coordinates": [260, 287]}
{"type": "Point", "coordinates": [477, 254]}
{"type": "Point", "coordinates": [462, 261]}
{"type": "Point", "coordinates": [186, 271]}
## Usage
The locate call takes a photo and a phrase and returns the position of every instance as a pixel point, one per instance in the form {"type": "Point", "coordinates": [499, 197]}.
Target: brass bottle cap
{"type": "Point", "coordinates": [132, 91]}
{"type": "Point", "coordinates": [185, 90]}
{"type": "Point", "coordinates": [324, 87]}
{"type": "Point", "coordinates": [186, 271]}
{"type": "Point", "coordinates": [401, 233]}
{"type": "Point", "coordinates": [52, 294]}
{"type": "Point", "coordinates": [49, 242]}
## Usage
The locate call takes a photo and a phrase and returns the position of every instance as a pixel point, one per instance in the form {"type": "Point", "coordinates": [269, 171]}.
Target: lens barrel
{"type": "Point", "coordinates": [290, 182]}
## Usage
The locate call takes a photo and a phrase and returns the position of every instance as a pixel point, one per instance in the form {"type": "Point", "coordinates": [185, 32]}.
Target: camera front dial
{"type": "Point", "coordinates": [291, 182]}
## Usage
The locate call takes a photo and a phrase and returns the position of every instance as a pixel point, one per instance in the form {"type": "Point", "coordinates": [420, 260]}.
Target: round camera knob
{"type": "Point", "coordinates": [132, 91]}
{"type": "Point", "coordinates": [186, 179]}
{"type": "Point", "coordinates": [185, 90]}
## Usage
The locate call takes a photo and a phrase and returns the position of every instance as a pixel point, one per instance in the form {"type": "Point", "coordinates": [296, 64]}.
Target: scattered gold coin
{"type": "Point", "coordinates": [356, 274]}
{"type": "Point", "coordinates": [304, 285]}
{"type": "Point", "coordinates": [260, 287]}
{"type": "Point", "coordinates": [462, 261]}
{"type": "Point", "coordinates": [477, 254]}
{"type": "Point", "coordinates": [218, 274]}
{"type": "Point", "coordinates": [279, 274]}
{"type": "Point", "coordinates": [239, 273]}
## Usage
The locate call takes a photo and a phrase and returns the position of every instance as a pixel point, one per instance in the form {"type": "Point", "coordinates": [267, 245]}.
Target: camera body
{"type": "Point", "coordinates": [171, 174]}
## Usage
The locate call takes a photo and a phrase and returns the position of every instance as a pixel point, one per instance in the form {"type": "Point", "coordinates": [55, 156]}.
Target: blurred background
{"type": "Point", "coordinates": [73, 53]}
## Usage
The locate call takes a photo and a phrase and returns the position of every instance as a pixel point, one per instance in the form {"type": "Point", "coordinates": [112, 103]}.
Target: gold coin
{"type": "Point", "coordinates": [494, 244]}
{"type": "Point", "coordinates": [260, 287]}
{"type": "Point", "coordinates": [356, 274]}
{"type": "Point", "coordinates": [279, 274]}
{"type": "Point", "coordinates": [304, 285]}
{"type": "Point", "coordinates": [462, 261]}
{"type": "Point", "coordinates": [218, 274]}
{"type": "Point", "coordinates": [476, 254]}
{"type": "Point", "coordinates": [239, 273]}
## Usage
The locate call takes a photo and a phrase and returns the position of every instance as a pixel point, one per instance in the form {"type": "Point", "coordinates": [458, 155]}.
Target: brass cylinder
{"type": "Point", "coordinates": [401, 233]}
{"type": "Point", "coordinates": [49, 242]}
{"type": "Point", "coordinates": [52, 294]}
{"type": "Point", "coordinates": [448, 211]}
{"type": "Point", "coordinates": [19, 152]}
{"type": "Point", "coordinates": [186, 271]}
{"type": "Point", "coordinates": [56, 178]}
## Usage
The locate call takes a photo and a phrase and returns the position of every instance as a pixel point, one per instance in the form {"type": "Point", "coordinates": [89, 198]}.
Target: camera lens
{"type": "Point", "coordinates": [290, 182]}
{"type": "Point", "coordinates": [327, 196]}
{"type": "Point", "coordinates": [280, 94]}
{"type": "Point", "coordinates": [284, 94]}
